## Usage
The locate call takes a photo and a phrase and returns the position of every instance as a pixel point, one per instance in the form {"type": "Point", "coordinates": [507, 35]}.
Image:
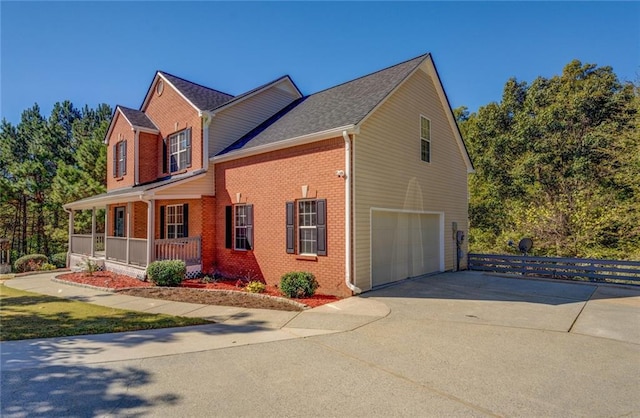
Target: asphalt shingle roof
{"type": "Point", "coordinates": [338, 106]}
{"type": "Point", "coordinates": [202, 97]}
{"type": "Point", "coordinates": [137, 118]}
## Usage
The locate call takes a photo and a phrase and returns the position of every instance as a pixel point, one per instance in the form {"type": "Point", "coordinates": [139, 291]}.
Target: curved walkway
{"type": "Point", "coordinates": [232, 326]}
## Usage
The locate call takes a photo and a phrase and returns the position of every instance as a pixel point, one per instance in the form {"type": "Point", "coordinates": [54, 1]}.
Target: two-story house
{"type": "Point", "coordinates": [362, 184]}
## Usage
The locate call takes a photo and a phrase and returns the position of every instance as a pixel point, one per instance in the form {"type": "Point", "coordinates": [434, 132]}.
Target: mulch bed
{"type": "Point", "coordinates": [194, 291]}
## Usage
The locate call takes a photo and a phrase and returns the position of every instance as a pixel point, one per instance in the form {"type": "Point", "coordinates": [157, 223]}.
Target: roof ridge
{"type": "Point", "coordinates": [253, 90]}
{"type": "Point", "coordinates": [370, 74]}
{"type": "Point", "coordinates": [196, 84]}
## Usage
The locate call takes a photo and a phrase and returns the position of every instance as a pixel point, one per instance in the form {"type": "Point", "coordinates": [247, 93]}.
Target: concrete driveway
{"type": "Point", "coordinates": [455, 344]}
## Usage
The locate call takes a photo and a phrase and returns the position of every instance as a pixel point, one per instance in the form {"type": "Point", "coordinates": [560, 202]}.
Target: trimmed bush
{"type": "Point", "coordinates": [30, 262]}
{"type": "Point", "coordinates": [167, 272]}
{"type": "Point", "coordinates": [47, 266]}
{"type": "Point", "coordinates": [255, 287]}
{"type": "Point", "coordinates": [59, 260]}
{"type": "Point", "coordinates": [298, 284]}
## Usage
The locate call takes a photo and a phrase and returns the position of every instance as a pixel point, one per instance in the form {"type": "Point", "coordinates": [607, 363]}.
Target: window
{"type": "Point", "coordinates": [118, 221]}
{"type": "Point", "coordinates": [311, 227]}
{"type": "Point", "coordinates": [175, 221]}
{"type": "Point", "coordinates": [425, 139]}
{"type": "Point", "coordinates": [180, 150]}
{"type": "Point", "coordinates": [307, 227]}
{"type": "Point", "coordinates": [120, 159]}
{"type": "Point", "coordinates": [239, 227]}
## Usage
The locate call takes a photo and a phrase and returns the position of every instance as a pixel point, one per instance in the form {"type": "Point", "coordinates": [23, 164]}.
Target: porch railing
{"type": "Point", "coordinates": [81, 243]}
{"type": "Point", "coordinates": [117, 250]}
{"type": "Point", "coordinates": [186, 249]}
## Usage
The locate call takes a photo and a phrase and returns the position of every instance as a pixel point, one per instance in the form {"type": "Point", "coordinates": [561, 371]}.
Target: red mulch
{"type": "Point", "coordinates": [114, 281]}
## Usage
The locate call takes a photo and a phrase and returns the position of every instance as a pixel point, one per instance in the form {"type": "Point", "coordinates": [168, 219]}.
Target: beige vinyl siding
{"type": "Point", "coordinates": [201, 186]}
{"type": "Point", "coordinates": [232, 123]}
{"type": "Point", "coordinates": [389, 173]}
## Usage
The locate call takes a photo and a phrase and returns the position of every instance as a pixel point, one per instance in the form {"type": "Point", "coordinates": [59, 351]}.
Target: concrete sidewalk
{"type": "Point", "coordinates": [232, 326]}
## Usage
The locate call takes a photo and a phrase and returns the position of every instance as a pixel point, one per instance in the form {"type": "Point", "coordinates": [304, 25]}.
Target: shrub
{"type": "Point", "coordinates": [59, 260]}
{"type": "Point", "coordinates": [47, 266]}
{"type": "Point", "coordinates": [88, 266]}
{"type": "Point", "coordinates": [167, 272]}
{"type": "Point", "coordinates": [255, 287]}
{"type": "Point", "coordinates": [298, 284]}
{"type": "Point", "coordinates": [31, 262]}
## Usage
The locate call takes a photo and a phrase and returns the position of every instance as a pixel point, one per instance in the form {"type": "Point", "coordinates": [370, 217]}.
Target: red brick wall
{"type": "Point", "coordinates": [268, 181]}
{"type": "Point", "coordinates": [171, 113]}
{"type": "Point", "coordinates": [138, 219]}
{"type": "Point", "coordinates": [148, 163]}
{"type": "Point", "coordinates": [121, 130]}
{"type": "Point", "coordinates": [208, 215]}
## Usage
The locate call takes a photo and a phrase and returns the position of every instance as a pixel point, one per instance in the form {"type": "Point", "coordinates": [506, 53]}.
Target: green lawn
{"type": "Point", "coordinates": [25, 315]}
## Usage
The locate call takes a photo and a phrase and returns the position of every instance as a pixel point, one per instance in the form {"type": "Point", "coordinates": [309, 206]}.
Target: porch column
{"type": "Point", "coordinates": [150, 231]}
{"type": "Point", "coordinates": [93, 232]}
{"type": "Point", "coordinates": [128, 229]}
{"type": "Point", "coordinates": [71, 231]}
{"type": "Point", "coordinates": [106, 231]}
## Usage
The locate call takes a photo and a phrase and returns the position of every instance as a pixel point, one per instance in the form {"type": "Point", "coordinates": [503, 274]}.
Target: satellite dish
{"type": "Point", "coordinates": [525, 245]}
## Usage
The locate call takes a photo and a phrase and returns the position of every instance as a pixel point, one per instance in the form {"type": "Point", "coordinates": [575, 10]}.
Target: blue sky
{"type": "Point", "coordinates": [95, 52]}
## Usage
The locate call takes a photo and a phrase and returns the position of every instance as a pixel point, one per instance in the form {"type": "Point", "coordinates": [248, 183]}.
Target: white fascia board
{"type": "Point", "coordinates": [103, 201]}
{"type": "Point", "coordinates": [287, 143]}
{"type": "Point", "coordinates": [430, 69]}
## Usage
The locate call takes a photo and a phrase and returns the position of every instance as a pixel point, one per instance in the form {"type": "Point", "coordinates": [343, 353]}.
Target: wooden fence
{"type": "Point", "coordinates": [615, 271]}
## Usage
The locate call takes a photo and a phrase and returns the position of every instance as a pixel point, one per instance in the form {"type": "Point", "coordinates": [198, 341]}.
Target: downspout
{"type": "Point", "coordinates": [347, 219]}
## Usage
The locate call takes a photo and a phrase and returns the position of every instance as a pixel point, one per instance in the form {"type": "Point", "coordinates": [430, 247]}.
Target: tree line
{"type": "Point", "coordinates": [45, 163]}
{"type": "Point", "coordinates": [556, 160]}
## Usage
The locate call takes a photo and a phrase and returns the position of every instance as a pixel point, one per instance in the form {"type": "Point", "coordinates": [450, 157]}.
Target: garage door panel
{"type": "Point", "coordinates": [403, 245]}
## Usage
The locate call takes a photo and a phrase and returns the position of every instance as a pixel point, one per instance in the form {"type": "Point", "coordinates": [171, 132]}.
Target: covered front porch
{"type": "Point", "coordinates": [130, 229]}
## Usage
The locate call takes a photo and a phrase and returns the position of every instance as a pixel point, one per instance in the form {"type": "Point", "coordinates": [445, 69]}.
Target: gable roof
{"type": "Point", "coordinates": [137, 118]}
{"type": "Point", "coordinates": [200, 97]}
{"type": "Point", "coordinates": [343, 105]}
{"type": "Point", "coordinates": [341, 108]}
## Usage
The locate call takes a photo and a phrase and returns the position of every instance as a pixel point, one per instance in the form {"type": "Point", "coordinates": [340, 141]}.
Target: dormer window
{"type": "Point", "coordinates": [180, 150]}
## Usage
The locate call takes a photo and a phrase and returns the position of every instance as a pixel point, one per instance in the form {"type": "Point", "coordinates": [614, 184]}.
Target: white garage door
{"type": "Point", "coordinates": [404, 245]}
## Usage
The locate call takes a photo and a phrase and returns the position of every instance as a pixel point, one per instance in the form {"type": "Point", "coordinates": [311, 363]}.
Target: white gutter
{"type": "Point", "coordinates": [299, 140]}
{"type": "Point", "coordinates": [347, 218]}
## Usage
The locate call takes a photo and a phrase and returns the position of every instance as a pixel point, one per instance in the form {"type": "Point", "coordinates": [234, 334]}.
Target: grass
{"type": "Point", "coordinates": [26, 315]}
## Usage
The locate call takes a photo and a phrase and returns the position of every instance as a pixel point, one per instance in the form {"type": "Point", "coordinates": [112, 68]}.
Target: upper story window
{"type": "Point", "coordinates": [180, 150]}
{"type": "Point", "coordinates": [425, 139]}
{"type": "Point", "coordinates": [120, 159]}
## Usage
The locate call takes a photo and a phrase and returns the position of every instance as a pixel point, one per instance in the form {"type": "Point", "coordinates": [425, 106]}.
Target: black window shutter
{"type": "Point", "coordinates": [162, 222]}
{"type": "Point", "coordinates": [228, 227]}
{"type": "Point", "coordinates": [249, 213]}
{"type": "Point", "coordinates": [321, 226]}
{"type": "Point", "coordinates": [291, 248]}
{"type": "Point", "coordinates": [115, 160]}
{"type": "Point", "coordinates": [185, 220]}
{"type": "Point", "coordinates": [188, 134]}
{"type": "Point", "coordinates": [124, 157]}
{"type": "Point", "coordinates": [164, 155]}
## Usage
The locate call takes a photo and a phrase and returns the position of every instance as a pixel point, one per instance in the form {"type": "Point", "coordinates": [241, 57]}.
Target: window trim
{"type": "Point", "coordinates": [307, 227]}
{"type": "Point", "coordinates": [243, 227]}
{"type": "Point", "coordinates": [174, 224]}
{"type": "Point", "coordinates": [187, 150]}
{"type": "Point", "coordinates": [424, 140]}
